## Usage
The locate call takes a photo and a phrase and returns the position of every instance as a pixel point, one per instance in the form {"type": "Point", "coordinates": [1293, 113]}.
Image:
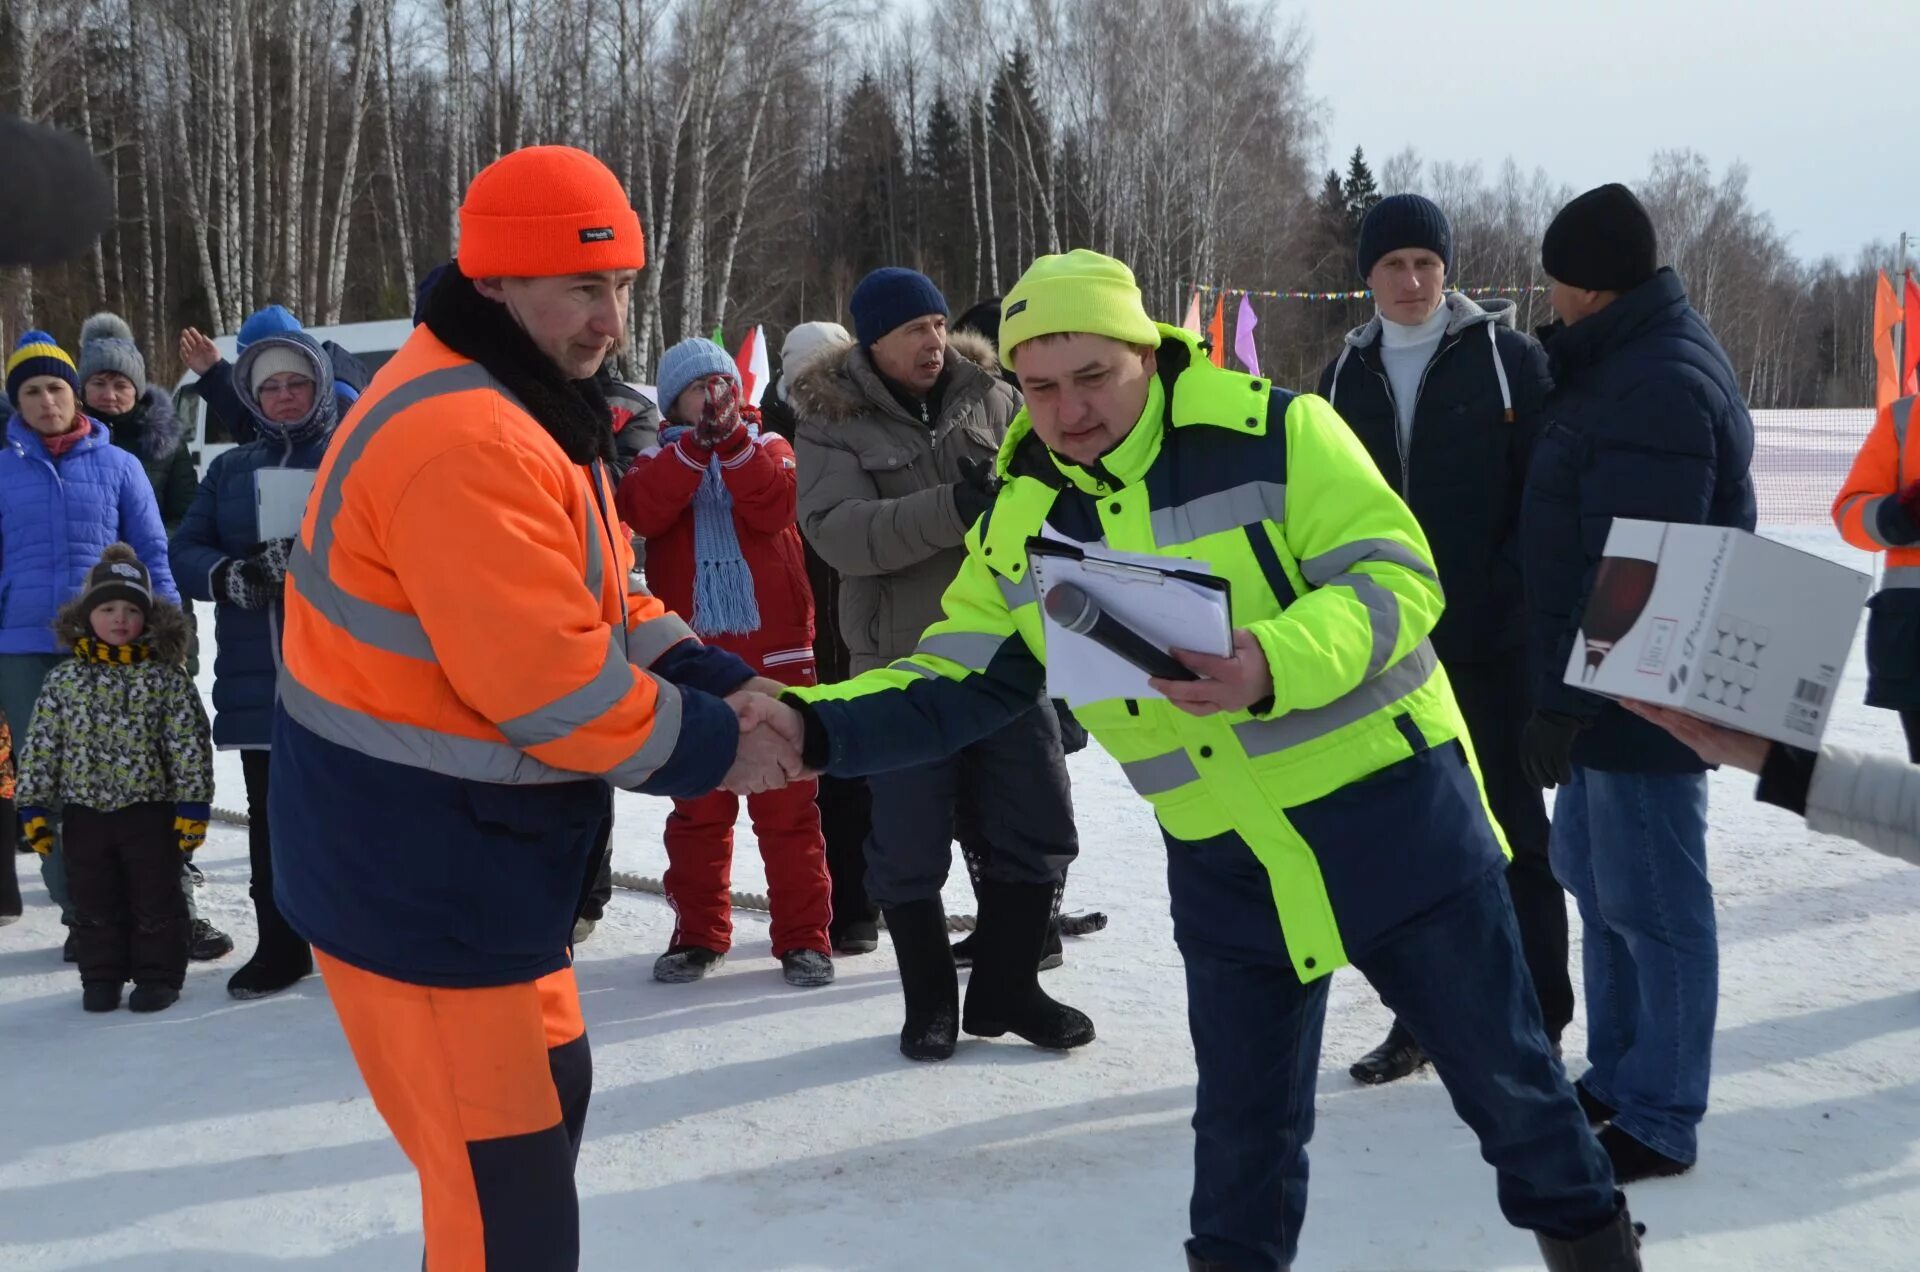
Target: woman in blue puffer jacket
{"type": "Point", "coordinates": [66, 493]}
{"type": "Point", "coordinates": [222, 553]}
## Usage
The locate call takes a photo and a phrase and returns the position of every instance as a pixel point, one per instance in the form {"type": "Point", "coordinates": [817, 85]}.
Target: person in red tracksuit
{"type": "Point", "coordinates": [715, 501]}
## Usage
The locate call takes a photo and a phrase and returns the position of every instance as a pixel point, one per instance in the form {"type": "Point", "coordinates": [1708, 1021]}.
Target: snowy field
{"type": "Point", "coordinates": [742, 1126]}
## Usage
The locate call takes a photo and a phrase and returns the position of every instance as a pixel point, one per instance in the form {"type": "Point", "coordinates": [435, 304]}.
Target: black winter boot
{"type": "Point", "coordinates": [281, 959]}
{"type": "Point", "coordinates": [100, 995]}
{"type": "Point", "coordinates": [1614, 1248]}
{"type": "Point", "coordinates": [1004, 994]}
{"type": "Point", "coordinates": [1197, 1264]}
{"type": "Point", "coordinates": [1634, 1161]}
{"type": "Point", "coordinates": [1051, 954]}
{"type": "Point", "coordinates": [1598, 1111]}
{"type": "Point", "coordinates": [927, 979]}
{"type": "Point", "coordinates": [10, 908]}
{"type": "Point", "coordinates": [1395, 1058]}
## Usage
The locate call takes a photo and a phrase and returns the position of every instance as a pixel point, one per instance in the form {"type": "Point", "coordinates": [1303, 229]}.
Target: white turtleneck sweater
{"type": "Point", "coordinates": [1404, 353]}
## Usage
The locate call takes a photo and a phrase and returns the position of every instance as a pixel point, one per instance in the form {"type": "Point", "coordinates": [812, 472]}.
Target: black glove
{"type": "Point", "coordinates": [976, 490]}
{"type": "Point", "coordinates": [1546, 748]}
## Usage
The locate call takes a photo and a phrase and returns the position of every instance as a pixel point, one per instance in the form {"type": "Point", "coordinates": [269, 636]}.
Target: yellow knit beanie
{"type": "Point", "coordinates": [1081, 291]}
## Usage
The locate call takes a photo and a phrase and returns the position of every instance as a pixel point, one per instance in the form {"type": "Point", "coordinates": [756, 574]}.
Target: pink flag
{"type": "Point", "coordinates": [752, 361]}
{"type": "Point", "coordinates": [1193, 313]}
{"type": "Point", "coordinates": [1243, 346]}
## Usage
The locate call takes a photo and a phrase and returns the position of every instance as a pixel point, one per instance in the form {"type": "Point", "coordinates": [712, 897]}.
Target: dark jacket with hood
{"type": "Point", "coordinates": [876, 498]}
{"type": "Point", "coordinates": [152, 432]}
{"type": "Point", "coordinates": [1646, 421]}
{"type": "Point", "coordinates": [223, 525]}
{"type": "Point", "coordinates": [1465, 468]}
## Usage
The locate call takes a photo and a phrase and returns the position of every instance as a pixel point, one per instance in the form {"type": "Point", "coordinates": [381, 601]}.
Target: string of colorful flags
{"type": "Point", "coordinates": [1245, 320]}
{"type": "Point", "coordinates": [1896, 341]}
{"type": "Point", "coordinates": [1362, 294]}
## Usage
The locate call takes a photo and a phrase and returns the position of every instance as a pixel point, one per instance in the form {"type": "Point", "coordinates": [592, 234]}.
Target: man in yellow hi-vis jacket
{"type": "Point", "coordinates": [1316, 790]}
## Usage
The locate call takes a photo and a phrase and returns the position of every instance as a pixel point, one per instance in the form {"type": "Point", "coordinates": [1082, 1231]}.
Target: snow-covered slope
{"type": "Point", "coordinates": [742, 1125]}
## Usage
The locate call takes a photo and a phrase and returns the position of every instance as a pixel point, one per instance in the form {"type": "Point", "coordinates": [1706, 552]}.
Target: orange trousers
{"type": "Point", "coordinates": [486, 1091]}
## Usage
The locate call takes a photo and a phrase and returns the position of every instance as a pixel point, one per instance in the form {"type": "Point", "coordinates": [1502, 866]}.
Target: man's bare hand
{"type": "Point", "coordinates": [1232, 684]}
{"type": "Point", "coordinates": [197, 351]}
{"type": "Point", "coordinates": [1712, 743]}
{"type": "Point", "coordinates": [766, 761]}
{"type": "Point", "coordinates": [755, 708]}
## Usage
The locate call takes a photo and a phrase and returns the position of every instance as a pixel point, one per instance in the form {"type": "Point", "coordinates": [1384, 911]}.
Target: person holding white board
{"type": "Point", "coordinates": [232, 550]}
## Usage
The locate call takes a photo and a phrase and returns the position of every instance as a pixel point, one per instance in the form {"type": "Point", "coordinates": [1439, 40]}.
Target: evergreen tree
{"type": "Point", "coordinates": [945, 231]}
{"type": "Point", "coordinates": [1359, 191]}
{"type": "Point", "coordinates": [867, 179]}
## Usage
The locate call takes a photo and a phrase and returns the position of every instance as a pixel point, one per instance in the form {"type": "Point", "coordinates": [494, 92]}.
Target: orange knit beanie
{"type": "Point", "coordinates": [547, 210]}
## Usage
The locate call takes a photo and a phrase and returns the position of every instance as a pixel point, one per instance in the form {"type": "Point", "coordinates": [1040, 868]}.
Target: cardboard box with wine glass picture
{"type": "Point", "coordinates": [1734, 628]}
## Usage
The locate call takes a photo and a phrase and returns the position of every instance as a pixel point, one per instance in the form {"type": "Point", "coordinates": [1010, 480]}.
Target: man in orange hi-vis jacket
{"type": "Point", "coordinates": [1878, 510]}
{"type": "Point", "coordinates": [469, 674]}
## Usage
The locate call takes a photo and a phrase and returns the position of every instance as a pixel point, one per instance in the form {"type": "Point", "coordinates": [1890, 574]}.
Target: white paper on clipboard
{"type": "Point", "coordinates": [280, 500]}
{"type": "Point", "coordinates": [1141, 592]}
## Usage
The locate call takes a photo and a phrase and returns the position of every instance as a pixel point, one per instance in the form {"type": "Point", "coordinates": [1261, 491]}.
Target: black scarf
{"type": "Point", "coordinates": [574, 412]}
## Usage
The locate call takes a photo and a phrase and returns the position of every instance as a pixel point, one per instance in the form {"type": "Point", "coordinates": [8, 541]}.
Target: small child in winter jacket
{"type": "Point", "coordinates": [119, 734]}
{"type": "Point", "coordinates": [716, 503]}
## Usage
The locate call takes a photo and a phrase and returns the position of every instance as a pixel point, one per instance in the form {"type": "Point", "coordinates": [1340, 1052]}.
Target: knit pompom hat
{"type": "Point", "coordinates": [119, 576]}
{"type": "Point", "coordinates": [34, 355]}
{"type": "Point", "coordinates": [106, 344]}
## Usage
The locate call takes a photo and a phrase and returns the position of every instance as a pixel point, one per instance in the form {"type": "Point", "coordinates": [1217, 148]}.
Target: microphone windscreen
{"type": "Point", "coordinates": [1070, 606]}
{"type": "Point", "coordinates": [55, 200]}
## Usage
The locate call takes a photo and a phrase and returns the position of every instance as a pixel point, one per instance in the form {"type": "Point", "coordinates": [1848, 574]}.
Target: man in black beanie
{"type": "Point", "coordinates": [1445, 395]}
{"type": "Point", "coordinates": [1645, 421]}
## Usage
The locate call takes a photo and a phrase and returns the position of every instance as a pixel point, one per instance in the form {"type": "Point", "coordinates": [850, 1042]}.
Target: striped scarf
{"type": "Point", "coordinates": [87, 649]}
{"type": "Point", "coordinates": [723, 600]}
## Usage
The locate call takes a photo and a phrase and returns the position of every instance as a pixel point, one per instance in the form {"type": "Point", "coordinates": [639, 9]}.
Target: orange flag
{"type": "Point", "coordinates": [1910, 330]}
{"type": "Point", "coordinates": [1886, 316]}
{"type": "Point", "coordinates": [1217, 330]}
{"type": "Point", "coordinates": [1192, 322]}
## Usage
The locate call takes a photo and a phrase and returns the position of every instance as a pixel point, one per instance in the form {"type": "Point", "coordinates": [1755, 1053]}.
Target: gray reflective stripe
{"type": "Point", "coordinates": [460, 379]}
{"type": "Point", "coordinates": [447, 753]}
{"type": "Point", "coordinates": [1383, 616]}
{"type": "Point", "coordinates": [1900, 576]}
{"type": "Point", "coordinates": [1016, 594]}
{"type": "Point", "coordinates": [662, 737]}
{"type": "Point", "coordinates": [570, 710]}
{"type": "Point", "coordinates": [972, 650]}
{"type": "Point", "coordinates": [1161, 773]}
{"type": "Point", "coordinates": [596, 555]}
{"type": "Point", "coordinates": [1220, 512]}
{"type": "Point", "coordinates": [1265, 737]}
{"type": "Point", "coordinates": [371, 624]}
{"type": "Point", "coordinates": [655, 637]}
{"type": "Point", "coordinates": [925, 673]}
{"type": "Point", "coordinates": [1322, 569]}
{"type": "Point", "coordinates": [1869, 516]}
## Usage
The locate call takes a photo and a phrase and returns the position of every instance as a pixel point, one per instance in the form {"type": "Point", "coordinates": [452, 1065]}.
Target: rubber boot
{"type": "Point", "coordinates": [280, 960]}
{"type": "Point", "coordinates": [1003, 993]}
{"type": "Point", "coordinates": [927, 979]}
{"type": "Point", "coordinates": [1614, 1248]}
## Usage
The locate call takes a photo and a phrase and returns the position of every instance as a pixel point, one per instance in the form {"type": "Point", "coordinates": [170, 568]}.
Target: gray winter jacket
{"type": "Point", "coordinates": [875, 486]}
{"type": "Point", "coordinates": [1871, 799]}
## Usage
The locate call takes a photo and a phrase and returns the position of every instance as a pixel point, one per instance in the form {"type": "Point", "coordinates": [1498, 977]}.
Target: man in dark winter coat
{"type": "Point", "coordinates": [1446, 395]}
{"type": "Point", "coordinates": [897, 437]}
{"type": "Point", "coordinates": [1646, 421]}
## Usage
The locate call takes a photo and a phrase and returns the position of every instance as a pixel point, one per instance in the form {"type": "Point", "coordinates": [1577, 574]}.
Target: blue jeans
{"type": "Point", "coordinates": [1632, 849]}
{"type": "Point", "coordinates": [1454, 974]}
{"type": "Point", "coordinates": [20, 678]}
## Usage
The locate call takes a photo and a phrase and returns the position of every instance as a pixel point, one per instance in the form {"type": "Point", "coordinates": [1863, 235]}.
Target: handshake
{"type": "Point", "coordinates": [771, 736]}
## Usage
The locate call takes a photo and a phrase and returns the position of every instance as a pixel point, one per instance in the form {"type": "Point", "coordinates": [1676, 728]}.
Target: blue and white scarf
{"type": "Point", "coordinates": [723, 600]}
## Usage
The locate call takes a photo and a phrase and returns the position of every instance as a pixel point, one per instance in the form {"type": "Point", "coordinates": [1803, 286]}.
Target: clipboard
{"type": "Point", "coordinates": [1185, 606]}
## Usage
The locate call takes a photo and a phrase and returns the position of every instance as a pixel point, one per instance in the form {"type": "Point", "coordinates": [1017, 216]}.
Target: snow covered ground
{"type": "Point", "coordinates": [739, 1125]}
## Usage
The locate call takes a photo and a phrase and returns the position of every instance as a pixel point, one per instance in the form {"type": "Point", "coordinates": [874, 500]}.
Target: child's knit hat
{"type": "Point", "coordinates": [118, 577]}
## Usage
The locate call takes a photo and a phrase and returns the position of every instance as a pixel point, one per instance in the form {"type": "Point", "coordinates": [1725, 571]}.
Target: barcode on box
{"type": "Point", "coordinates": [1811, 692]}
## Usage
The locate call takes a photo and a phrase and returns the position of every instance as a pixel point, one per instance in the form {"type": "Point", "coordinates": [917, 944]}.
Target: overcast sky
{"type": "Point", "coordinates": [1820, 98]}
